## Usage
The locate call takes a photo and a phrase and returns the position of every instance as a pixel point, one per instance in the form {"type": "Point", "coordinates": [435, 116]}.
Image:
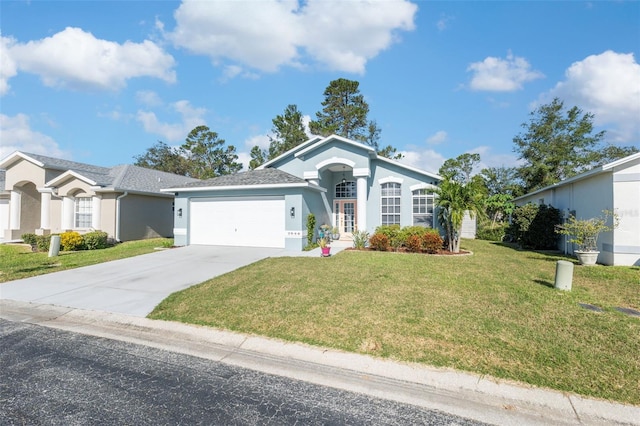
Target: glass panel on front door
{"type": "Point", "coordinates": [345, 212]}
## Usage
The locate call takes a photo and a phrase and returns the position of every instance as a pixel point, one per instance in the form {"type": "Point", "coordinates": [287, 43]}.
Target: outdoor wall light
{"type": "Point", "coordinates": [179, 212]}
{"type": "Point", "coordinates": [292, 212]}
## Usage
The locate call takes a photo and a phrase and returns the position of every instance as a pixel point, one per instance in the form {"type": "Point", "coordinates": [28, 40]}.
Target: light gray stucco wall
{"type": "Point", "coordinates": [381, 170]}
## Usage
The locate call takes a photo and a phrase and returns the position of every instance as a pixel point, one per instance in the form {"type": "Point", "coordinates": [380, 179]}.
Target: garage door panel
{"type": "Point", "coordinates": [246, 223]}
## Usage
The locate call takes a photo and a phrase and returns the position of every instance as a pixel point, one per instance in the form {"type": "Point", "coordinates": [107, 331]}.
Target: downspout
{"type": "Point", "coordinates": [118, 214]}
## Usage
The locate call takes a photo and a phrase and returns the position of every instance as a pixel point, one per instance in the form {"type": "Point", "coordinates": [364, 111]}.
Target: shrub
{"type": "Point", "coordinates": [360, 239]}
{"type": "Point", "coordinates": [432, 242]}
{"type": "Point", "coordinates": [390, 231]}
{"type": "Point", "coordinates": [70, 240]}
{"type": "Point", "coordinates": [492, 232]}
{"type": "Point", "coordinates": [95, 240]}
{"type": "Point", "coordinates": [414, 243]}
{"type": "Point", "coordinates": [43, 241]}
{"type": "Point", "coordinates": [542, 231]}
{"type": "Point", "coordinates": [379, 242]}
{"type": "Point", "coordinates": [521, 220]}
{"type": "Point", "coordinates": [311, 228]}
{"type": "Point", "coordinates": [409, 231]}
{"type": "Point", "coordinates": [31, 239]}
{"type": "Point", "coordinates": [533, 226]}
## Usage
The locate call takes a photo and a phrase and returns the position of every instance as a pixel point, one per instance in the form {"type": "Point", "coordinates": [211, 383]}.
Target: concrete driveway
{"type": "Point", "coordinates": [135, 285]}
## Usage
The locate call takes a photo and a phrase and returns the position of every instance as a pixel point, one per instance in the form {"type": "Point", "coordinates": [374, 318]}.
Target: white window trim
{"type": "Point", "coordinates": [422, 185]}
{"type": "Point", "coordinates": [390, 180]}
{"type": "Point", "coordinates": [426, 196]}
{"type": "Point", "coordinates": [89, 201]}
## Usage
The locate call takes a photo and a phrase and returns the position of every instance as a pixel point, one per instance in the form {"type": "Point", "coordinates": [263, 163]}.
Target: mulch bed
{"type": "Point", "coordinates": [404, 250]}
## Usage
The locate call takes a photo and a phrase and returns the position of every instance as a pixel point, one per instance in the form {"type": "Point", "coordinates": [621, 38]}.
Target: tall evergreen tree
{"type": "Point", "coordinates": [258, 157]}
{"type": "Point", "coordinates": [559, 143]}
{"type": "Point", "coordinates": [459, 169]}
{"type": "Point", "coordinates": [163, 157]}
{"type": "Point", "coordinates": [208, 156]}
{"type": "Point", "coordinates": [287, 131]}
{"type": "Point", "coordinates": [344, 113]}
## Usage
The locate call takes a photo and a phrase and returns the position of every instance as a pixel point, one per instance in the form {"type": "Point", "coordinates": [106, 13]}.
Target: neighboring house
{"type": "Point", "coordinates": [614, 186]}
{"type": "Point", "coordinates": [342, 182]}
{"type": "Point", "coordinates": [45, 195]}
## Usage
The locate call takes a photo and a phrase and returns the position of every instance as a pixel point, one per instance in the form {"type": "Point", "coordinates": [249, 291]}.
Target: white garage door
{"type": "Point", "coordinates": [255, 222]}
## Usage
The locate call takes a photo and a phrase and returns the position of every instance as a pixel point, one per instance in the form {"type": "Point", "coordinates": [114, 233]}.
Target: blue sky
{"type": "Point", "coordinates": [100, 82]}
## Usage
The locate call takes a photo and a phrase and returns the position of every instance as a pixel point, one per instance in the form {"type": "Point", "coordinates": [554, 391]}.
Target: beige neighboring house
{"type": "Point", "coordinates": [45, 195]}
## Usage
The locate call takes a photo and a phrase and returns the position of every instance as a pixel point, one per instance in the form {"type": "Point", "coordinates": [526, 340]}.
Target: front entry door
{"type": "Point", "coordinates": [345, 211]}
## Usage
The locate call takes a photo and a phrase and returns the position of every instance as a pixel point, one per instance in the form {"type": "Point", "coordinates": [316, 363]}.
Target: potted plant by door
{"type": "Point", "coordinates": [324, 247]}
{"type": "Point", "coordinates": [585, 232]}
{"type": "Point", "coordinates": [335, 233]}
{"type": "Point", "coordinates": [325, 231]}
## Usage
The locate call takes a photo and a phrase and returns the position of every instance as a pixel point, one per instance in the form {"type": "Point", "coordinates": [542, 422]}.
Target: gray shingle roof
{"type": "Point", "coordinates": [134, 178]}
{"type": "Point", "coordinates": [60, 164]}
{"type": "Point", "coordinates": [125, 177]}
{"type": "Point", "coordinates": [252, 177]}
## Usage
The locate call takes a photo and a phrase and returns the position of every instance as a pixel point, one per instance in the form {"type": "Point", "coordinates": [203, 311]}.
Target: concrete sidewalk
{"type": "Point", "coordinates": [463, 394]}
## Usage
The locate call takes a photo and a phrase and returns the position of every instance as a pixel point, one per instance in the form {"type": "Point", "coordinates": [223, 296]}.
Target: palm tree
{"type": "Point", "coordinates": [453, 201]}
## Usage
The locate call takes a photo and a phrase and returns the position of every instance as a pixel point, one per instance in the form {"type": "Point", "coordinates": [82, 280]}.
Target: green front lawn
{"type": "Point", "coordinates": [17, 261]}
{"type": "Point", "coordinates": [494, 313]}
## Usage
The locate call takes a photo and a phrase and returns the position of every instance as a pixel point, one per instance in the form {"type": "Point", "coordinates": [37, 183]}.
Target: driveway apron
{"type": "Point", "coordinates": [135, 285]}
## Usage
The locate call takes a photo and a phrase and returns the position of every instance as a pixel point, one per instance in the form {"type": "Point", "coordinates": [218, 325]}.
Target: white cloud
{"type": "Point", "coordinates": [340, 36]}
{"type": "Point", "coordinates": [18, 136]}
{"type": "Point", "coordinates": [425, 159]}
{"type": "Point", "coordinates": [261, 140]}
{"type": "Point", "coordinates": [607, 85]}
{"type": "Point", "coordinates": [244, 158]}
{"type": "Point", "coordinates": [437, 138]}
{"type": "Point", "coordinates": [490, 159]}
{"type": "Point", "coordinates": [190, 118]}
{"type": "Point", "coordinates": [502, 75]}
{"type": "Point", "coordinates": [9, 68]}
{"type": "Point", "coordinates": [148, 98]}
{"type": "Point", "coordinates": [76, 59]}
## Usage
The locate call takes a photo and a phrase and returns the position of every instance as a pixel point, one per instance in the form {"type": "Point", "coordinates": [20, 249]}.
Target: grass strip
{"type": "Point", "coordinates": [495, 312]}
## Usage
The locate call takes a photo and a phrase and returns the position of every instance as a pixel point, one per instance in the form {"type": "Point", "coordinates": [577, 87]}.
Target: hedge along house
{"type": "Point", "coordinates": [614, 186]}
{"type": "Point", "coordinates": [342, 182]}
{"type": "Point", "coordinates": [46, 195]}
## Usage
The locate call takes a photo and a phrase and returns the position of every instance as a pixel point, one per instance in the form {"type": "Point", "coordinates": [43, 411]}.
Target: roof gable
{"type": "Point", "coordinates": [316, 143]}
{"type": "Point", "coordinates": [334, 138]}
{"type": "Point", "coordinates": [292, 151]}
{"type": "Point", "coordinates": [52, 163]}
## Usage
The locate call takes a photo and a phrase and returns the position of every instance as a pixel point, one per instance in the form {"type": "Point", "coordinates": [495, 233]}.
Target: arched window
{"type": "Point", "coordinates": [423, 207]}
{"type": "Point", "coordinates": [346, 190]}
{"type": "Point", "coordinates": [390, 203]}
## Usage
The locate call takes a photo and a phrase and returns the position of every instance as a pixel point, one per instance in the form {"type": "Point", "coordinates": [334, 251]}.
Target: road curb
{"type": "Point", "coordinates": [464, 394]}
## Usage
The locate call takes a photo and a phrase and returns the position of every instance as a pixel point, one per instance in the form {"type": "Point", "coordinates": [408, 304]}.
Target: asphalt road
{"type": "Point", "coordinates": [56, 377]}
